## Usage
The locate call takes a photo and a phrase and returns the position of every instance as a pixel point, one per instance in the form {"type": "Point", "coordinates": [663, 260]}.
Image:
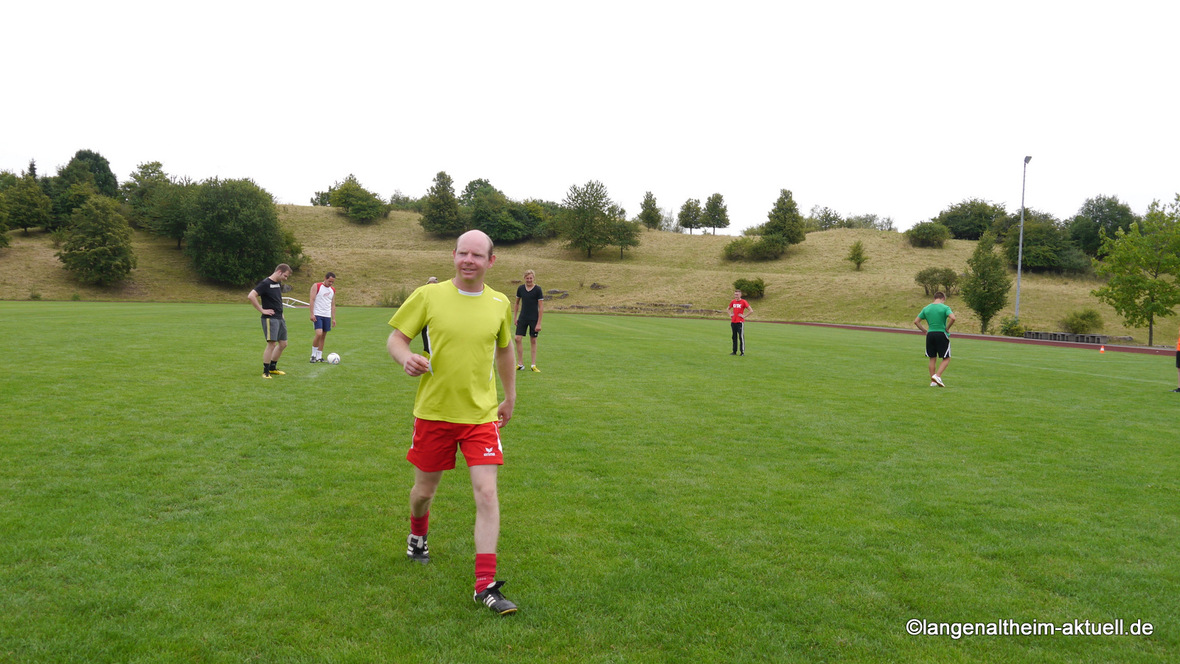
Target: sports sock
{"type": "Point", "coordinates": [419, 524]}
{"type": "Point", "coordinates": [274, 364]}
{"type": "Point", "coordinates": [266, 367]}
{"type": "Point", "coordinates": [485, 571]}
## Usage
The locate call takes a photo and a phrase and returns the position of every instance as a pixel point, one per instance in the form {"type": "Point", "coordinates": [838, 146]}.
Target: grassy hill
{"type": "Point", "coordinates": [668, 273]}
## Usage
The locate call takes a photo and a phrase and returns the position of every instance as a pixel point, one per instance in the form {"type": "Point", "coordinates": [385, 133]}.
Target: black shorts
{"type": "Point", "coordinates": [530, 325]}
{"type": "Point", "coordinates": [274, 328]}
{"type": "Point", "coordinates": [938, 344]}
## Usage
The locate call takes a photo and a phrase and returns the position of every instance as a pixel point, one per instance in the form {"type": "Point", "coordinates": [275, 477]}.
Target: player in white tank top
{"type": "Point", "coordinates": [323, 313]}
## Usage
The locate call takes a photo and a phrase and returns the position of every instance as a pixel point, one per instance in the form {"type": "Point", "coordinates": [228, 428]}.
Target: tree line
{"type": "Point", "coordinates": [1137, 256]}
{"type": "Point", "coordinates": [229, 229]}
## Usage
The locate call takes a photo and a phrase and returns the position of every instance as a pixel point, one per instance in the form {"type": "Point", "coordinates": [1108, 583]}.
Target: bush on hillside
{"type": "Point", "coordinates": [1084, 321]}
{"type": "Point", "coordinates": [856, 254]}
{"type": "Point", "coordinates": [928, 234]}
{"type": "Point", "coordinates": [934, 279]}
{"type": "Point", "coordinates": [764, 248]}
{"type": "Point", "coordinates": [1009, 327]}
{"type": "Point", "coordinates": [292, 250]}
{"type": "Point", "coordinates": [752, 289]}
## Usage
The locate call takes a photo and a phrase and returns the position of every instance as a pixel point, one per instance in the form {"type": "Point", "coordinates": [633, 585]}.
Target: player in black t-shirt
{"type": "Point", "coordinates": [267, 298]}
{"type": "Point", "coordinates": [533, 299]}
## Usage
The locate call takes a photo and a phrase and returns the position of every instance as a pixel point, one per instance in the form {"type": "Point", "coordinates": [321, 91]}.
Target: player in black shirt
{"type": "Point", "coordinates": [267, 298]}
{"type": "Point", "coordinates": [533, 299]}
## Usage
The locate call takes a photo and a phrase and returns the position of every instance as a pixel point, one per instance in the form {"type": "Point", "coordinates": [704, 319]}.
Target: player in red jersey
{"type": "Point", "coordinates": [738, 310]}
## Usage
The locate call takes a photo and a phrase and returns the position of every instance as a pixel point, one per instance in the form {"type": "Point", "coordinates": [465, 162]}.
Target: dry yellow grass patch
{"type": "Point", "coordinates": [812, 282]}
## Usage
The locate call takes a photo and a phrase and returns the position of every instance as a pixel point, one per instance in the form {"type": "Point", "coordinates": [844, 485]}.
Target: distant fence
{"type": "Point", "coordinates": [1072, 338]}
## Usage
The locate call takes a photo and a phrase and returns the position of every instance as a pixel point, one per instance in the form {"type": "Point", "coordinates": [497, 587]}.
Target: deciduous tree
{"type": "Point", "coordinates": [235, 237]}
{"type": "Point", "coordinates": [172, 209]}
{"type": "Point", "coordinates": [1141, 266]}
{"type": "Point", "coordinates": [440, 210]}
{"type": "Point", "coordinates": [1047, 247]}
{"type": "Point", "coordinates": [625, 234]}
{"type": "Point", "coordinates": [141, 186]}
{"type": "Point", "coordinates": [356, 202]}
{"type": "Point", "coordinates": [970, 219]}
{"type": "Point", "coordinates": [28, 206]}
{"type": "Point", "coordinates": [1101, 214]}
{"type": "Point", "coordinates": [98, 166]}
{"type": "Point", "coordinates": [823, 218]}
{"type": "Point", "coordinates": [985, 286]}
{"type": "Point", "coordinates": [690, 215]}
{"type": "Point", "coordinates": [587, 218]}
{"type": "Point", "coordinates": [97, 247]}
{"type": "Point", "coordinates": [649, 212]}
{"type": "Point", "coordinates": [716, 214]}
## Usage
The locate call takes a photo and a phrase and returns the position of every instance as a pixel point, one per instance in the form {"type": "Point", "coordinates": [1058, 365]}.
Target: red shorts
{"type": "Point", "coordinates": [435, 444]}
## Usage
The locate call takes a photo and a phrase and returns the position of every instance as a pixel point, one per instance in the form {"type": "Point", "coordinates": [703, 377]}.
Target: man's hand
{"type": "Point", "coordinates": [416, 365]}
{"type": "Point", "coordinates": [504, 412]}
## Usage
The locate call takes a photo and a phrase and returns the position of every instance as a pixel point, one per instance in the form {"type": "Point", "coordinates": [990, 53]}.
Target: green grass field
{"type": "Point", "coordinates": [662, 501]}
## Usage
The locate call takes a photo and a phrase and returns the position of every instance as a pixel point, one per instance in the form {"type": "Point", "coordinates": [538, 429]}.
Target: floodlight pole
{"type": "Point", "coordinates": [1020, 247]}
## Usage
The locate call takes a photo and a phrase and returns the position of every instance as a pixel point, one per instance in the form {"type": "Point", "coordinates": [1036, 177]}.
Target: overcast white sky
{"type": "Point", "coordinates": [894, 108]}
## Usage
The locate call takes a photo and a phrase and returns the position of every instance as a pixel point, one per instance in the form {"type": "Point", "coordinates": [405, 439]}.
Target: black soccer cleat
{"type": "Point", "coordinates": [492, 598]}
{"type": "Point", "coordinates": [417, 549]}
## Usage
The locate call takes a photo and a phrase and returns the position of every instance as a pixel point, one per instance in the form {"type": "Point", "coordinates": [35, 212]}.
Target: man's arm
{"type": "Point", "coordinates": [506, 367]}
{"type": "Point", "coordinates": [253, 297]}
{"type": "Point", "coordinates": [515, 308]}
{"type": "Point", "coordinates": [747, 311]}
{"type": "Point", "coordinates": [311, 302]}
{"type": "Point", "coordinates": [540, 312]}
{"type": "Point", "coordinates": [950, 320]}
{"type": "Point", "coordinates": [399, 350]}
{"type": "Point", "coordinates": [918, 324]}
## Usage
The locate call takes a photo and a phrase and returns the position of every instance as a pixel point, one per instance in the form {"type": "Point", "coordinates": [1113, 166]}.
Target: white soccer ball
{"type": "Point", "coordinates": [333, 358]}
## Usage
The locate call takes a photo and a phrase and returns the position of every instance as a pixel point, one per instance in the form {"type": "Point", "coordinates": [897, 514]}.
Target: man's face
{"type": "Point", "coordinates": [283, 276]}
{"type": "Point", "coordinates": [329, 281]}
{"type": "Point", "coordinates": [472, 258]}
{"type": "Point", "coordinates": [737, 295]}
{"type": "Point", "coordinates": [528, 279]}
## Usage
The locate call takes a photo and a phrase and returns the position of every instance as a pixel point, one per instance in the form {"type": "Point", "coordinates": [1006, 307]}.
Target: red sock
{"type": "Point", "coordinates": [419, 524]}
{"type": "Point", "coordinates": [485, 571]}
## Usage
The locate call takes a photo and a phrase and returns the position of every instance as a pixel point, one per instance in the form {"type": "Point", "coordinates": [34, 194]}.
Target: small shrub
{"type": "Point", "coordinates": [948, 279]}
{"type": "Point", "coordinates": [1085, 321]}
{"type": "Point", "coordinates": [76, 297]}
{"type": "Point", "coordinates": [752, 289]}
{"type": "Point", "coordinates": [747, 248]}
{"type": "Point", "coordinates": [1073, 261]}
{"type": "Point", "coordinates": [934, 279]}
{"type": "Point", "coordinates": [856, 254]}
{"type": "Point", "coordinates": [292, 250]}
{"type": "Point", "coordinates": [1009, 327]}
{"type": "Point", "coordinates": [34, 295]}
{"type": "Point", "coordinates": [739, 249]}
{"type": "Point", "coordinates": [395, 299]}
{"type": "Point", "coordinates": [768, 248]}
{"type": "Point", "coordinates": [928, 234]}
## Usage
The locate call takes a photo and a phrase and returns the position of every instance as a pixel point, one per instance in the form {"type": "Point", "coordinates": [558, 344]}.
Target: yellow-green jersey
{"type": "Point", "coordinates": [462, 332]}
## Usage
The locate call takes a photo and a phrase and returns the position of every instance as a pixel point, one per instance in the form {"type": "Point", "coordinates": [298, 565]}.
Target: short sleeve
{"type": "Point", "coordinates": [410, 318]}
